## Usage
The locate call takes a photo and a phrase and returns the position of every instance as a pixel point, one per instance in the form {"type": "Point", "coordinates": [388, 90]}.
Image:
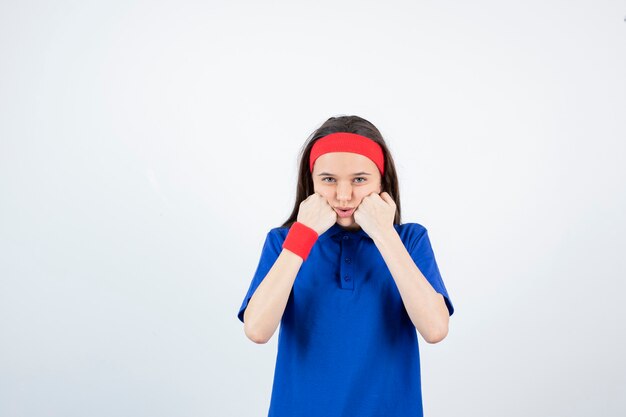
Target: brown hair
{"type": "Point", "coordinates": [350, 124]}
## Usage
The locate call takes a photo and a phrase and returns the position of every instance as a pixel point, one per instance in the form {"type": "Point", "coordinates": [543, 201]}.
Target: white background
{"type": "Point", "coordinates": [146, 148]}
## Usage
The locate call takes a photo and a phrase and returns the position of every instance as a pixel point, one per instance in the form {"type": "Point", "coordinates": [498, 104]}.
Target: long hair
{"type": "Point", "coordinates": [349, 124]}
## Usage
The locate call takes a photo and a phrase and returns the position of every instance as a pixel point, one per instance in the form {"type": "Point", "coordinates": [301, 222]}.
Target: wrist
{"type": "Point", "coordinates": [385, 235]}
{"type": "Point", "coordinates": [300, 239]}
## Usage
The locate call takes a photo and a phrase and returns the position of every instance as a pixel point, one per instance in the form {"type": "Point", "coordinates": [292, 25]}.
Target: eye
{"type": "Point", "coordinates": [357, 178]}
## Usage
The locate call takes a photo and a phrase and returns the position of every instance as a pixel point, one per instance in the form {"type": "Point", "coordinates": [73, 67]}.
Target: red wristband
{"type": "Point", "coordinates": [300, 240]}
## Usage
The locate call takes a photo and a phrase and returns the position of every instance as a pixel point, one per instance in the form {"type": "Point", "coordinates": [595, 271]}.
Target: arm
{"type": "Point", "coordinates": [426, 307]}
{"type": "Point", "coordinates": [267, 305]}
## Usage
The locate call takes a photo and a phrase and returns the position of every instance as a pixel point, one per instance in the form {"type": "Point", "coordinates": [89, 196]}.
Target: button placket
{"type": "Point", "coordinates": [346, 268]}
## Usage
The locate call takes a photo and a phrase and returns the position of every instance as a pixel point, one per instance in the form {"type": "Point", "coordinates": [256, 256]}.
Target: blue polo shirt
{"type": "Point", "coordinates": [346, 345]}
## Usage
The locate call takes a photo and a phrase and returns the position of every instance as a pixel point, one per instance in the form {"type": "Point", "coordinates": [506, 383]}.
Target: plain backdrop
{"type": "Point", "coordinates": [147, 147]}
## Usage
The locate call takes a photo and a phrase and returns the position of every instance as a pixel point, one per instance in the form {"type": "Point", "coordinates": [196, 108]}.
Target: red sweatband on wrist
{"type": "Point", "coordinates": [300, 240]}
{"type": "Point", "coordinates": [348, 142]}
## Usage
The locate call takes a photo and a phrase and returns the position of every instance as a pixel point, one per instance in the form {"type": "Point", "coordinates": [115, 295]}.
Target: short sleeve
{"type": "Point", "coordinates": [271, 250]}
{"type": "Point", "coordinates": [421, 251]}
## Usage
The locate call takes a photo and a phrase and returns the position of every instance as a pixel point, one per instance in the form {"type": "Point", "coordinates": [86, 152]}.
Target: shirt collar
{"type": "Point", "coordinates": [336, 231]}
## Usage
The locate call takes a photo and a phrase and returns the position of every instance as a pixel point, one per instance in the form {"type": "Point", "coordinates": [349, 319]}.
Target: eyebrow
{"type": "Point", "coordinates": [332, 175]}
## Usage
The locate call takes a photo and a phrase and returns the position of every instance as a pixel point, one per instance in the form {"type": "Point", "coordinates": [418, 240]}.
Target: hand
{"type": "Point", "coordinates": [316, 213]}
{"type": "Point", "coordinates": [375, 214]}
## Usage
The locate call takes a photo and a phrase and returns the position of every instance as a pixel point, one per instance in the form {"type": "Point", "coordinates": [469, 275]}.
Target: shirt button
{"type": "Point", "coordinates": [345, 237]}
{"type": "Point", "coordinates": [348, 260]}
{"type": "Point", "coordinates": [346, 278]}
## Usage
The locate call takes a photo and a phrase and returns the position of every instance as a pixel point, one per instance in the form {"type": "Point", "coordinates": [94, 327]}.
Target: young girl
{"type": "Point", "coordinates": [349, 285]}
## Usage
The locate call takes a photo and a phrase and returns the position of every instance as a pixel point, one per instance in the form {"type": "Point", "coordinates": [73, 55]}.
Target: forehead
{"type": "Point", "coordinates": [344, 164]}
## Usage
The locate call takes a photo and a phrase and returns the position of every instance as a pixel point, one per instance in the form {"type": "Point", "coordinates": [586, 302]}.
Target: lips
{"type": "Point", "coordinates": [347, 212]}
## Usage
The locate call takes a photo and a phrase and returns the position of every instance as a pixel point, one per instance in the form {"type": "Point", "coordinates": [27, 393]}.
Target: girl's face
{"type": "Point", "coordinates": [345, 178]}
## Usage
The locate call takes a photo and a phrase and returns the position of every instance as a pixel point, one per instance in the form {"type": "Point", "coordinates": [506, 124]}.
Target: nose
{"type": "Point", "coordinates": [344, 192]}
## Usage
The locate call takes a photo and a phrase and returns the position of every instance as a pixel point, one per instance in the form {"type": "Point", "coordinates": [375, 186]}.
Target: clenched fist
{"type": "Point", "coordinates": [316, 213]}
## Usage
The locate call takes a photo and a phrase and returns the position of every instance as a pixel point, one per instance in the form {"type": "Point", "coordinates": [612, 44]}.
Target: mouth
{"type": "Point", "coordinates": [344, 212]}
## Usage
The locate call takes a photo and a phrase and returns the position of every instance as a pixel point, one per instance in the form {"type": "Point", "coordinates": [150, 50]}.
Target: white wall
{"type": "Point", "coordinates": [146, 148]}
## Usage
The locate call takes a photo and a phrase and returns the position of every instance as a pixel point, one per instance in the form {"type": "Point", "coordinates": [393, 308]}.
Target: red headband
{"type": "Point", "coordinates": [348, 142]}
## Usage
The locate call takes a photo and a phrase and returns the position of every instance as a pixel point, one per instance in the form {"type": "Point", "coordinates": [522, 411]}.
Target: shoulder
{"type": "Point", "coordinates": [411, 233]}
{"type": "Point", "coordinates": [278, 233]}
{"type": "Point", "coordinates": [274, 240]}
{"type": "Point", "coordinates": [410, 229]}
{"type": "Point", "coordinates": [279, 230]}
